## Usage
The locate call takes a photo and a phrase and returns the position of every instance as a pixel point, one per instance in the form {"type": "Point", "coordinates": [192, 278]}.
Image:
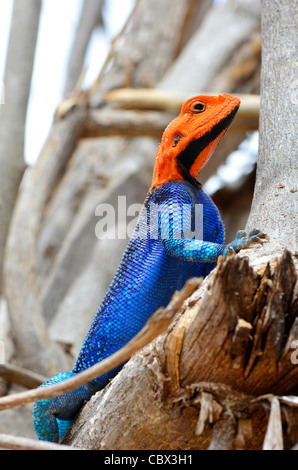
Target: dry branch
{"type": "Point", "coordinates": [146, 98]}
{"type": "Point", "coordinates": [264, 302]}
{"type": "Point", "coordinates": [129, 123]}
{"type": "Point", "coordinates": [153, 26]}
{"type": "Point", "coordinates": [147, 113]}
{"type": "Point", "coordinates": [22, 443]}
{"type": "Point", "coordinates": [17, 375]}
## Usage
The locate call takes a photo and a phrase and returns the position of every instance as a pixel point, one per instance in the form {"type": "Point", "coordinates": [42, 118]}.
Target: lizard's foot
{"type": "Point", "coordinates": [242, 240]}
{"type": "Point", "coordinates": [53, 416]}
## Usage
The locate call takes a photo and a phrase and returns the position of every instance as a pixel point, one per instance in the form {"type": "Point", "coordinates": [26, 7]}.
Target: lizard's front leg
{"type": "Point", "coordinates": [200, 251]}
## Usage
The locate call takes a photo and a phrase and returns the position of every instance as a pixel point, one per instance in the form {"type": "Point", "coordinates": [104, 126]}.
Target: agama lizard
{"type": "Point", "coordinates": [159, 257]}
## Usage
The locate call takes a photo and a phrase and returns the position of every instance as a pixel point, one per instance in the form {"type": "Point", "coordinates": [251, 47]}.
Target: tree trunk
{"type": "Point", "coordinates": [275, 201]}
{"type": "Point", "coordinates": [17, 82]}
{"type": "Point", "coordinates": [188, 391]}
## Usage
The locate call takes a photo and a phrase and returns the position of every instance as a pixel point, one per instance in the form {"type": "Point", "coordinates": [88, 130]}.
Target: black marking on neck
{"type": "Point", "coordinates": [188, 156]}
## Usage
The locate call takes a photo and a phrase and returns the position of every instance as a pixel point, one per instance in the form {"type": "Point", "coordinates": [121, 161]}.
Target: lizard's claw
{"type": "Point", "coordinates": [255, 231]}
{"type": "Point", "coordinates": [257, 237]}
{"type": "Point", "coordinates": [242, 240]}
{"type": "Point", "coordinates": [231, 250]}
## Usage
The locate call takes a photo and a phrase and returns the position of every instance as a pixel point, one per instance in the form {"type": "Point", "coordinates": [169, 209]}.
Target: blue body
{"type": "Point", "coordinates": [148, 273]}
{"type": "Point", "coordinates": [157, 262]}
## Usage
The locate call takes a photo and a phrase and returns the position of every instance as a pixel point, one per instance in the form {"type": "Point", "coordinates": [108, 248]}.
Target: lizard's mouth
{"type": "Point", "coordinates": [202, 148]}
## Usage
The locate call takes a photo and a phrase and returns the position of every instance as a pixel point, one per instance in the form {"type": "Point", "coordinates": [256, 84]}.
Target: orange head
{"type": "Point", "coordinates": [190, 139]}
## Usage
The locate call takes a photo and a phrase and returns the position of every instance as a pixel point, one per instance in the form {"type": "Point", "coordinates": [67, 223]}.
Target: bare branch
{"type": "Point", "coordinates": [17, 375]}
{"type": "Point", "coordinates": [127, 123]}
{"type": "Point", "coordinates": [153, 111]}
{"type": "Point", "coordinates": [22, 443]}
{"type": "Point", "coordinates": [154, 98]}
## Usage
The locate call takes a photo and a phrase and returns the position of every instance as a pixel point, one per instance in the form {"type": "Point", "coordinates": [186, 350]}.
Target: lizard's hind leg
{"type": "Point", "coordinates": [53, 416]}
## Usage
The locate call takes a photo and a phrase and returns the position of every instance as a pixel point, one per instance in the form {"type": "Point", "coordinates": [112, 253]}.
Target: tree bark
{"type": "Point", "coordinates": [275, 201]}
{"type": "Point", "coordinates": [17, 82]}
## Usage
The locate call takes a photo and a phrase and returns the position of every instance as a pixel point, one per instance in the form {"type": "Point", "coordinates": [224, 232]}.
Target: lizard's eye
{"type": "Point", "coordinates": [198, 107]}
{"type": "Point", "coordinates": [177, 137]}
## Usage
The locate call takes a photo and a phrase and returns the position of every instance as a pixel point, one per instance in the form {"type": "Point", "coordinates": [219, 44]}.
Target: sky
{"type": "Point", "coordinates": [58, 23]}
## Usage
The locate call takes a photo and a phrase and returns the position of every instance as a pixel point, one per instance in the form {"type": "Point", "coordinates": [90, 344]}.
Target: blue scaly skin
{"type": "Point", "coordinates": [162, 254]}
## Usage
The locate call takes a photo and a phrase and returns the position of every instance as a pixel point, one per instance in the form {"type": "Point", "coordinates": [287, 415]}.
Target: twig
{"type": "Point", "coordinates": [156, 325]}
{"type": "Point", "coordinates": [113, 46]}
{"type": "Point", "coordinates": [145, 98]}
{"type": "Point", "coordinates": [21, 376]}
{"type": "Point", "coordinates": [22, 443]}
